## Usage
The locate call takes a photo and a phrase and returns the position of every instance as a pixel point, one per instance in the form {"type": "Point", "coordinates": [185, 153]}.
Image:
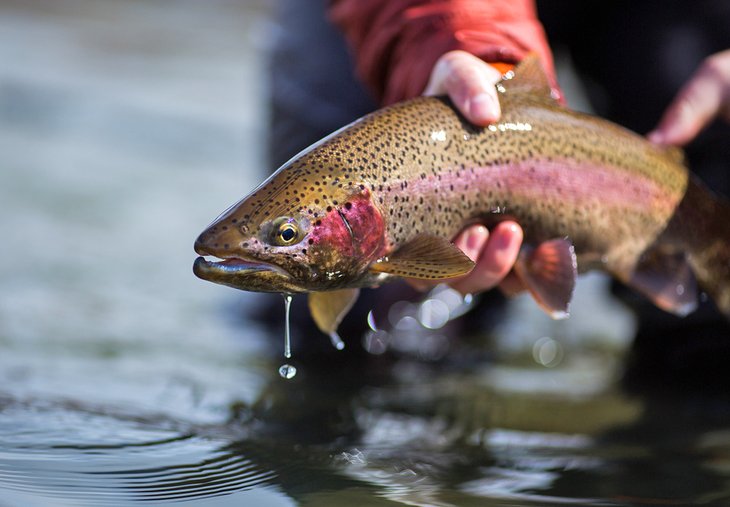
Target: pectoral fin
{"type": "Point", "coordinates": [329, 308]}
{"type": "Point", "coordinates": [549, 272]}
{"type": "Point", "coordinates": [667, 280]}
{"type": "Point", "coordinates": [426, 258]}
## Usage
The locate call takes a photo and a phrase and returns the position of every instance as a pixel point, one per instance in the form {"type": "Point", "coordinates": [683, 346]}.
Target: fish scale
{"type": "Point", "coordinates": [382, 197]}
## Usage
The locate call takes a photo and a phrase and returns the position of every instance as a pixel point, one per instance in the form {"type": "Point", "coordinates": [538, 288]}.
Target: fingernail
{"type": "Point", "coordinates": [507, 236]}
{"type": "Point", "coordinates": [472, 241]}
{"type": "Point", "coordinates": [483, 108]}
{"type": "Point", "coordinates": [476, 236]}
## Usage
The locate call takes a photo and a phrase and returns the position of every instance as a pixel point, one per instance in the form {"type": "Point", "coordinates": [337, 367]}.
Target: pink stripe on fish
{"type": "Point", "coordinates": [568, 180]}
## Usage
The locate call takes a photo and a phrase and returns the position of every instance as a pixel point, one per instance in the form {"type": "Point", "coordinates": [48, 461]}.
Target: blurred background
{"type": "Point", "coordinates": [125, 128]}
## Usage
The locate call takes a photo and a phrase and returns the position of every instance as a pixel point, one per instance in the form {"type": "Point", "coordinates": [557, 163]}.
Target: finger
{"type": "Point", "coordinates": [469, 82]}
{"type": "Point", "coordinates": [420, 285]}
{"type": "Point", "coordinates": [696, 105]}
{"type": "Point", "coordinates": [495, 261]}
{"type": "Point", "coordinates": [512, 285]}
{"type": "Point", "coordinates": [471, 241]}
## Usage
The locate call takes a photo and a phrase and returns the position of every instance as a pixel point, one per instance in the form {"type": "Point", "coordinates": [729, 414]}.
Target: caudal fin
{"type": "Point", "coordinates": [707, 221]}
{"type": "Point", "coordinates": [712, 269]}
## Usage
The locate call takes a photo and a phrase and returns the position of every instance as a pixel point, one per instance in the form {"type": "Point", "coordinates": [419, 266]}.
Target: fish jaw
{"type": "Point", "coordinates": [246, 275]}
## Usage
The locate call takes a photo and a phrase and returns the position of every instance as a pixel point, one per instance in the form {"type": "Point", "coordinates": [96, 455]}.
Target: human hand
{"type": "Point", "coordinates": [703, 98]}
{"type": "Point", "coordinates": [469, 82]}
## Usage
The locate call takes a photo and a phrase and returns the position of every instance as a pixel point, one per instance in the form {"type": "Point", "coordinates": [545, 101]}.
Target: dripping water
{"type": "Point", "coordinates": [287, 326]}
{"type": "Point", "coordinates": [336, 341]}
{"type": "Point", "coordinates": [287, 370]}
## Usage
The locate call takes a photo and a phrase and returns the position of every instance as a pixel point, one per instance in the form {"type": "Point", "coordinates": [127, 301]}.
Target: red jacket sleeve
{"type": "Point", "coordinates": [397, 42]}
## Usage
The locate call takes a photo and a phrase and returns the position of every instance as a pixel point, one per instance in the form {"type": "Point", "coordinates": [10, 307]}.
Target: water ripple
{"type": "Point", "coordinates": [101, 458]}
{"type": "Point", "coordinates": [222, 474]}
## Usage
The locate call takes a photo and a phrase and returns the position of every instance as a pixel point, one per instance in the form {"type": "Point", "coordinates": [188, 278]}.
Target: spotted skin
{"type": "Point", "coordinates": [419, 167]}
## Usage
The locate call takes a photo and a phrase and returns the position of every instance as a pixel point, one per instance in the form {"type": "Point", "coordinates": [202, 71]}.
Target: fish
{"type": "Point", "coordinates": [381, 198]}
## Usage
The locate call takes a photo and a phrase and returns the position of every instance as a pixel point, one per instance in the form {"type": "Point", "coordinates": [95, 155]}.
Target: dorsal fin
{"type": "Point", "coordinates": [528, 76]}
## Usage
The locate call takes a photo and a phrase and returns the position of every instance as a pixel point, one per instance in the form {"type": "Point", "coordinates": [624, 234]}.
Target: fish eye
{"type": "Point", "coordinates": [285, 231]}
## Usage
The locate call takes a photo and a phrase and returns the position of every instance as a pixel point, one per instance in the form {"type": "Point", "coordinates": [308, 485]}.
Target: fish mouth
{"type": "Point", "coordinates": [245, 274]}
{"type": "Point", "coordinates": [231, 265]}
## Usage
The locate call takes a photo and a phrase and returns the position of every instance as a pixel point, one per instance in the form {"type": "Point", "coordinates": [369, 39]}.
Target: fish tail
{"type": "Point", "coordinates": [709, 253]}
{"type": "Point", "coordinates": [712, 269]}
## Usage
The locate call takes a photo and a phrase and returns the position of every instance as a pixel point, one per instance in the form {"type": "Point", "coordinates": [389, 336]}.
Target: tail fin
{"type": "Point", "coordinates": [712, 269]}
{"type": "Point", "coordinates": [707, 225]}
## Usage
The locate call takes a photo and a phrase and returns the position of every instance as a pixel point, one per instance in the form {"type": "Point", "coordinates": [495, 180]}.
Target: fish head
{"type": "Point", "coordinates": [293, 236]}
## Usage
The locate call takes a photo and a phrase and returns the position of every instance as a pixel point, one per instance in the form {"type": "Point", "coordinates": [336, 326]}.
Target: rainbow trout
{"type": "Point", "coordinates": [381, 198]}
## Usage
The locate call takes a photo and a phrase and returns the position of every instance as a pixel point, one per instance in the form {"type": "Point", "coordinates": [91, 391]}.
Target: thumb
{"type": "Point", "coordinates": [469, 83]}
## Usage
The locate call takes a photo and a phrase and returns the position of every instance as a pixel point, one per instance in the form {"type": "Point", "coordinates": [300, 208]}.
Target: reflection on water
{"type": "Point", "coordinates": [66, 452]}
{"type": "Point", "coordinates": [413, 444]}
{"type": "Point", "coordinates": [125, 380]}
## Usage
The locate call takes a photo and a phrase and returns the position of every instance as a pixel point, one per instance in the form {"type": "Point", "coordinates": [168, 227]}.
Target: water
{"type": "Point", "coordinates": [337, 341]}
{"type": "Point", "coordinates": [124, 380]}
{"type": "Point", "coordinates": [287, 371]}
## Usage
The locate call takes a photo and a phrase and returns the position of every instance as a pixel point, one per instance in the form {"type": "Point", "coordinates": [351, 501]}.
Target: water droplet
{"type": "Point", "coordinates": [287, 371]}
{"type": "Point", "coordinates": [287, 329]}
{"type": "Point", "coordinates": [439, 135]}
{"type": "Point", "coordinates": [336, 341]}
